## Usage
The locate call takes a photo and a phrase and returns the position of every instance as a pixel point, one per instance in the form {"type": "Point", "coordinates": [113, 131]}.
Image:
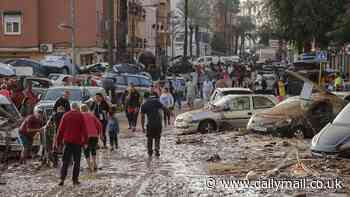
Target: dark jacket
{"type": "Point", "coordinates": [62, 102]}
{"type": "Point", "coordinates": [101, 111]}
{"type": "Point", "coordinates": [133, 100]}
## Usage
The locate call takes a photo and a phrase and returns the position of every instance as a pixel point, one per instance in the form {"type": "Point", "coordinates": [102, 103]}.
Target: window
{"type": "Point", "coordinates": [133, 80]}
{"type": "Point", "coordinates": [120, 80]}
{"type": "Point", "coordinates": [240, 104]}
{"type": "Point", "coordinates": [262, 102]}
{"type": "Point", "coordinates": [145, 82]}
{"type": "Point", "coordinates": [12, 24]}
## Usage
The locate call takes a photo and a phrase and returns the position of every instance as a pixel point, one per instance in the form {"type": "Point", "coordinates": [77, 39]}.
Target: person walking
{"type": "Point", "coordinates": [207, 89]}
{"type": "Point", "coordinates": [63, 101]}
{"type": "Point", "coordinates": [94, 131]}
{"type": "Point", "coordinates": [32, 125]}
{"type": "Point", "coordinates": [101, 108]}
{"type": "Point", "coordinates": [151, 108]}
{"type": "Point", "coordinates": [177, 92]}
{"type": "Point", "coordinates": [113, 129]}
{"type": "Point", "coordinates": [191, 93]}
{"type": "Point", "coordinates": [167, 100]}
{"type": "Point", "coordinates": [132, 104]}
{"type": "Point", "coordinates": [74, 135]}
{"type": "Point", "coordinates": [50, 133]}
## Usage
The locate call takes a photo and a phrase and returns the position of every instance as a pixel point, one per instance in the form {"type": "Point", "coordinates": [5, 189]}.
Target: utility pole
{"type": "Point", "coordinates": [133, 26]}
{"type": "Point", "coordinates": [110, 31]}
{"type": "Point", "coordinates": [72, 12]}
{"type": "Point", "coordinates": [186, 29]}
{"type": "Point", "coordinates": [158, 42]}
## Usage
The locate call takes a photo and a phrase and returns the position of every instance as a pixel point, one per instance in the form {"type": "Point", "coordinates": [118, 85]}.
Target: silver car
{"type": "Point", "coordinates": [77, 94]}
{"type": "Point", "coordinates": [230, 110]}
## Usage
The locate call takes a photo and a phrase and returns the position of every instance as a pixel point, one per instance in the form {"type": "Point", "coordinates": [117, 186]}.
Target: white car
{"type": "Point", "coordinates": [230, 59]}
{"type": "Point", "coordinates": [232, 110]}
{"type": "Point", "coordinates": [206, 60]}
{"type": "Point", "coordinates": [59, 79]}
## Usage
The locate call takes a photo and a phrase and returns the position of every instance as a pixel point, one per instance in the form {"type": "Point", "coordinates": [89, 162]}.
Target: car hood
{"type": "Point", "coordinates": [200, 114]}
{"type": "Point", "coordinates": [330, 137]}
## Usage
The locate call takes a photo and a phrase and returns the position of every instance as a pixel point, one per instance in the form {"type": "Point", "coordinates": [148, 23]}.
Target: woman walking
{"type": "Point", "coordinates": [132, 106]}
{"type": "Point", "coordinates": [94, 130]}
{"type": "Point", "coordinates": [167, 100]}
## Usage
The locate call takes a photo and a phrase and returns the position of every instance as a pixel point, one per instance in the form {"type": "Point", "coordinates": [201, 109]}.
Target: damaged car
{"type": "Point", "coordinates": [10, 120]}
{"type": "Point", "coordinates": [231, 111]}
{"type": "Point", "coordinates": [298, 117]}
{"type": "Point", "coordinates": [334, 138]}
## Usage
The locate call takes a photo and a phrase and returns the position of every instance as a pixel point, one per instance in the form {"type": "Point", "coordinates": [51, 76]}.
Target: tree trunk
{"type": "Point", "coordinates": [225, 24]}
{"type": "Point", "coordinates": [236, 44]}
{"type": "Point", "coordinates": [197, 41]}
{"type": "Point", "coordinates": [186, 29]}
{"type": "Point", "coordinates": [191, 40]}
{"type": "Point", "coordinates": [242, 43]}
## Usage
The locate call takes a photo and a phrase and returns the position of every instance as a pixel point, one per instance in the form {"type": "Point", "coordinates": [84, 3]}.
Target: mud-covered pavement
{"type": "Point", "coordinates": [187, 167]}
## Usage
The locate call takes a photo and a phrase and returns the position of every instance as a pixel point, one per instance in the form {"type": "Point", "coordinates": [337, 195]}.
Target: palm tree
{"type": "Point", "coordinates": [198, 17]}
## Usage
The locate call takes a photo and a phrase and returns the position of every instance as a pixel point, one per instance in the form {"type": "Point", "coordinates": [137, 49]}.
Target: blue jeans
{"type": "Point", "coordinates": [178, 99]}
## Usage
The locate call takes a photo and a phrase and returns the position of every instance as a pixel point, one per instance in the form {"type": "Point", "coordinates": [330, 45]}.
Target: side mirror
{"type": "Point", "coordinates": [40, 96]}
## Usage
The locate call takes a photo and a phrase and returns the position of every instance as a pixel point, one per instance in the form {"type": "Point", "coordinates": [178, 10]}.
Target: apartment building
{"type": "Point", "coordinates": [35, 28]}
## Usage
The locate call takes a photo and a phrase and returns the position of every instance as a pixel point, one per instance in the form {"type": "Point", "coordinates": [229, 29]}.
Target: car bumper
{"type": "Point", "coordinates": [268, 129]}
{"type": "Point", "coordinates": [322, 154]}
{"type": "Point", "coordinates": [186, 127]}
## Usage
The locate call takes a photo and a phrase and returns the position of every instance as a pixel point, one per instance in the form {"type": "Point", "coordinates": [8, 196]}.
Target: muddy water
{"type": "Point", "coordinates": [182, 169]}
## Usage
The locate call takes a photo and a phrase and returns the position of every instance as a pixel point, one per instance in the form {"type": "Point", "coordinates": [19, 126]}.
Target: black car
{"type": "Point", "coordinates": [121, 82]}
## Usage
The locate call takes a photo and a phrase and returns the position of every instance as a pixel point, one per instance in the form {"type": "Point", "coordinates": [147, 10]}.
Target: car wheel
{"type": "Point", "coordinates": [65, 71]}
{"type": "Point", "coordinates": [302, 133]}
{"type": "Point", "coordinates": [207, 126]}
{"type": "Point", "coordinates": [299, 133]}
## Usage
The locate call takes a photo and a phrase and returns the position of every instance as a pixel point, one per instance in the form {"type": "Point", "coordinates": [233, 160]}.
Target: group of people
{"type": "Point", "coordinates": [72, 128]}
{"type": "Point", "coordinates": [78, 129]}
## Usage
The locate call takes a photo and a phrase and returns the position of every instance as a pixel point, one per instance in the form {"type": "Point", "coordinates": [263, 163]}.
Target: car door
{"type": "Point", "coordinates": [261, 103]}
{"type": "Point", "coordinates": [238, 111]}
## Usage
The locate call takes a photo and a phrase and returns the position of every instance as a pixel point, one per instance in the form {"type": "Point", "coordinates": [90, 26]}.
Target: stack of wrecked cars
{"type": "Point", "coordinates": [297, 116]}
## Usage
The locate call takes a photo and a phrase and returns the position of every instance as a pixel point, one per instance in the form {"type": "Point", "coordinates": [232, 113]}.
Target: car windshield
{"type": "Point", "coordinates": [54, 94]}
{"type": "Point", "coordinates": [343, 117]}
{"type": "Point", "coordinates": [8, 111]}
{"type": "Point", "coordinates": [221, 102]}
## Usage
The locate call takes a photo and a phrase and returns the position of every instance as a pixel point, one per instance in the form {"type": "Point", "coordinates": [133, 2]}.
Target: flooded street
{"type": "Point", "coordinates": [185, 167]}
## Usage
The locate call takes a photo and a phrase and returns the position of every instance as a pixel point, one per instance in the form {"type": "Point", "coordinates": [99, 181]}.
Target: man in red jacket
{"type": "Point", "coordinates": [74, 135]}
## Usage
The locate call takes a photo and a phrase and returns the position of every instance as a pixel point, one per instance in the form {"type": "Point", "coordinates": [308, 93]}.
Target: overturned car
{"type": "Point", "coordinates": [297, 117]}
